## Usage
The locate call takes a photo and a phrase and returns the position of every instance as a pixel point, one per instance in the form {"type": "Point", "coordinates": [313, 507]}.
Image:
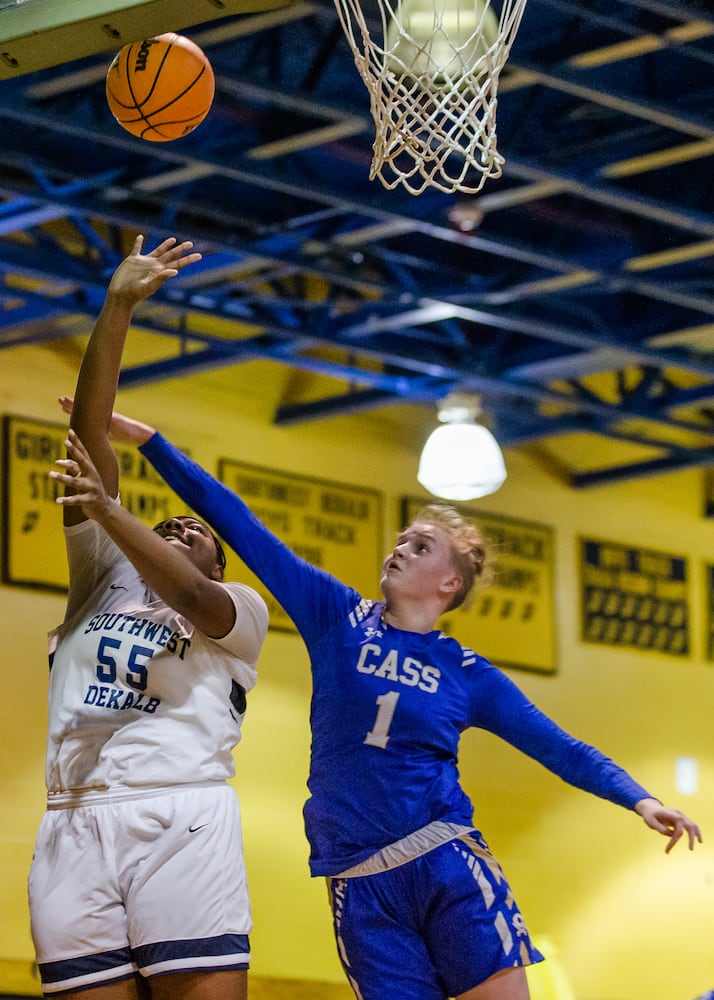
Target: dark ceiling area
{"type": "Point", "coordinates": [574, 294]}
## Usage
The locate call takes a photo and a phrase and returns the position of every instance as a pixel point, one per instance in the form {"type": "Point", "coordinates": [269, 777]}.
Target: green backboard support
{"type": "Point", "coordinates": [36, 34]}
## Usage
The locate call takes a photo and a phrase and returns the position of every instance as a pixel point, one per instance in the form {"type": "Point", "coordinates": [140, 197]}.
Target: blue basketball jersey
{"type": "Point", "coordinates": [388, 706]}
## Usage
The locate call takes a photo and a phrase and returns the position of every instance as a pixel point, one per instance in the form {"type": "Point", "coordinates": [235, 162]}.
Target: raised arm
{"type": "Point", "coordinates": [137, 277]}
{"type": "Point", "coordinates": [180, 580]}
{"type": "Point", "coordinates": [121, 428]}
{"type": "Point", "coordinates": [310, 596]}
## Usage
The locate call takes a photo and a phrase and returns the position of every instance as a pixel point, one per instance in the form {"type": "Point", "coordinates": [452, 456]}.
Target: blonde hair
{"type": "Point", "coordinates": [471, 553]}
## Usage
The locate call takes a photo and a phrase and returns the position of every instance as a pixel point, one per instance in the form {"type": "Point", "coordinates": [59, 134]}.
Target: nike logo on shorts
{"type": "Point", "coordinates": [195, 829]}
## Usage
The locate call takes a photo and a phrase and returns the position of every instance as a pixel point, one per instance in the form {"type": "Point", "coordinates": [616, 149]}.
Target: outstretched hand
{"type": "Point", "coordinates": [121, 428]}
{"type": "Point", "coordinates": [669, 822]}
{"type": "Point", "coordinates": [82, 479]}
{"type": "Point", "coordinates": [139, 275]}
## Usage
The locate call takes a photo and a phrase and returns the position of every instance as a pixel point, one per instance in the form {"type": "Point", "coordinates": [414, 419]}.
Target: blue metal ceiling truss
{"type": "Point", "coordinates": [575, 294]}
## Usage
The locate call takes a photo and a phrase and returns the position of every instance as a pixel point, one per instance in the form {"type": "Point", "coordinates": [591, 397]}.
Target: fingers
{"type": "Point", "coordinates": [675, 833]}
{"type": "Point", "coordinates": [69, 464]}
{"type": "Point", "coordinates": [180, 256]}
{"type": "Point", "coordinates": [73, 444]}
{"type": "Point", "coordinates": [190, 258]}
{"type": "Point", "coordinates": [694, 834]}
{"type": "Point", "coordinates": [162, 263]}
{"type": "Point", "coordinates": [675, 826]}
{"type": "Point", "coordinates": [71, 478]}
{"type": "Point", "coordinates": [139, 275]}
{"type": "Point", "coordinates": [174, 254]}
{"type": "Point", "coordinates": [163, 248]}
{"type": "Point", "coordinates": [78, 472]}
{"type": "Point", "coordinates": [670, 823]}
{"type": "Point", "coordinates": [79, 459]}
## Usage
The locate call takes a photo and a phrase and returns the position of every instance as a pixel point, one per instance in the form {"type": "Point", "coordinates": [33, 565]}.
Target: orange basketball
{"type": "Point", "coordinates": [161, 88]}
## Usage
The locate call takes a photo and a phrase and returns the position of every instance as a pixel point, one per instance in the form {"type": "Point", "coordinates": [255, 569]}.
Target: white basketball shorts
{"type": "Point", "coordinates": [151, 884]}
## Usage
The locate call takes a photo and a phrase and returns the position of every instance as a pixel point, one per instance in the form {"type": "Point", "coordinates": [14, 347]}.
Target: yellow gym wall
{"type": "Point", "coordinates": [622, 920]}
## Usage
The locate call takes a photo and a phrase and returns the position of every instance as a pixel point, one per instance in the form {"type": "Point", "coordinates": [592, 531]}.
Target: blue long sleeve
{"type": "Point", "coordinates": [311, 597]}
{"type": "Point", "coordinates": [388, 706]}
{"type": "Point", "coordinates": [504, 710]}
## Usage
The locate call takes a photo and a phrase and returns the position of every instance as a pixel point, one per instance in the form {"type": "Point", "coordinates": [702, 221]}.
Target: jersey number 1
{"type": "Point", "coordinates": [378, 736]}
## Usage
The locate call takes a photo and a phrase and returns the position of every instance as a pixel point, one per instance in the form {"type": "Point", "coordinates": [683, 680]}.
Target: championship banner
{"type": "Point", "coordinates": [511, 622]}
{"type": "Point", "coordinates": [335, 527]}
{"type": "Point", "coordinates": [635, 598]}
{"type": "Point", "coordinates": [33, 549]}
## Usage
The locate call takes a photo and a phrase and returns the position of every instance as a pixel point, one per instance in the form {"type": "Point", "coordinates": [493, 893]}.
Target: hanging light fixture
{"type": "Point", "coordinates": [461, 459]}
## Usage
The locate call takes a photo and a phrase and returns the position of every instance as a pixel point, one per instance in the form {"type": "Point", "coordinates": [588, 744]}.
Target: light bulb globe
{"type": "Point", "coordinates": [461, 462]}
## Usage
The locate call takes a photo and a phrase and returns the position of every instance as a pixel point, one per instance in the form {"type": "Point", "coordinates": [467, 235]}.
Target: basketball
{"type": "Point", "coordinates": [160, 89]}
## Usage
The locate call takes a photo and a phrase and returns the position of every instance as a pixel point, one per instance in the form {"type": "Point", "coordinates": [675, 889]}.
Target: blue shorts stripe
{"type": "Point", "coordinates": [86, 965]}
{"type": "Point", "coordinates": [86, 971]}
{"type": "Point", "coordinates": [212, 954]}
{"type": "Point", "coordinates": [229, 950]}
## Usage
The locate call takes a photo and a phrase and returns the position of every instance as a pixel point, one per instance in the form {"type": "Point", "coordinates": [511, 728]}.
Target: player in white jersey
{"type": "Point", "coordinates": [138, 886]}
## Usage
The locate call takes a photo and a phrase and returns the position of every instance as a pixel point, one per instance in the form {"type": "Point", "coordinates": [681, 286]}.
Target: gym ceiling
{"type": "Point", "coordinates": [574, 295]}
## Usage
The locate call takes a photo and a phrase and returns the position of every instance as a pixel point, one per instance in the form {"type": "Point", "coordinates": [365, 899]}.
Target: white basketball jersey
{"type": "Point", "coordinates": [138, 697]}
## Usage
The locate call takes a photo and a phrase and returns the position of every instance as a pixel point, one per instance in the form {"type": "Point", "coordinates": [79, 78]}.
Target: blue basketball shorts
{"type": "Point", "coordinates": [429, 929]}
{"type": "Point", "coordinates": [147, 885]}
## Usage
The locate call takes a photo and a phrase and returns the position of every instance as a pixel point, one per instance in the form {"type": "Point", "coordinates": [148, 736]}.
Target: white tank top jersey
{"type": "Point", "coordinates": [139, 698]}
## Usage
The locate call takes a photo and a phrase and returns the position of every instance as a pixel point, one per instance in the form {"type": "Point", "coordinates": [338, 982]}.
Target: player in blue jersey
{"type": "Point", "coordinates": [421, 908]}
{"type": "Point", "coordinates": [138, 886]}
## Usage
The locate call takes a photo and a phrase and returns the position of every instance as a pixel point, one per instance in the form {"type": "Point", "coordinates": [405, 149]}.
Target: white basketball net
{"type": "Point", "coordinates": [432, 76]}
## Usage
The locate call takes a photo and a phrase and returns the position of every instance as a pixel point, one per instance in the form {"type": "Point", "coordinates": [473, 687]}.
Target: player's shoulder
{"type": "Point", "coordinates": [468, 658]}
{"type": "Point", "coordinates": [246, 595]}
{"type": "Point", "coordinates": [241, 588]}
{"type": "Point", "coordinates": [360, 609]}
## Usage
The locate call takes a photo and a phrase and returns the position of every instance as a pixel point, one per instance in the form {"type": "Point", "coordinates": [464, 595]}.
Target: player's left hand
{"type": "Point", "coordinates": [81, 479]}
{"type": "Point", "coordinates": [669, 822]}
